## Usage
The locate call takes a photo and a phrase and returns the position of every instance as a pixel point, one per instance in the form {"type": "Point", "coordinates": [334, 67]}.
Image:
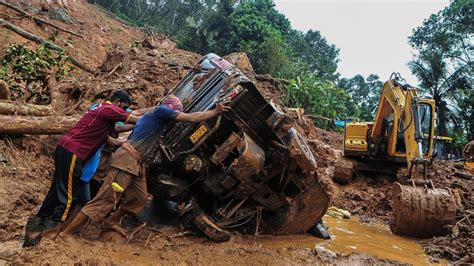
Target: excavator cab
{"type": "Point", "coordinates": [441, 147]}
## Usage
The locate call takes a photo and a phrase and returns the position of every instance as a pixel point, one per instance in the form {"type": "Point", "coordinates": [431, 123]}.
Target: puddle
{"type": "Point", "coordinates": [350, 235]}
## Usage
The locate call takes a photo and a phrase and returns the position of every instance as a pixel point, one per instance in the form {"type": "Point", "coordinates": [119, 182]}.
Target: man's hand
{"type": "Point", "coordinates": [222, 107]}
{"type": "Point", "coordinates": [116, 142]}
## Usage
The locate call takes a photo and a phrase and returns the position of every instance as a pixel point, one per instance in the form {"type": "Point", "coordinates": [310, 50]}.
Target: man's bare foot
{"type": "Point", "coordinates": [116, 228]}
{"type": "Point", "coordinates": [67, 239]}
{"type": "Point", "coordinates": [52, 232]}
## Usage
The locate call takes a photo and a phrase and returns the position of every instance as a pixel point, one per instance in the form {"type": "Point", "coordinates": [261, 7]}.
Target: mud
{"type": "Point", "coordinates": [349, 235]}
{"type": "Point", "coordinates": [26, 166]}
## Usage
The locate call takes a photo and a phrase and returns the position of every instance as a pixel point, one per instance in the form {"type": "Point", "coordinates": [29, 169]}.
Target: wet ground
{"type": "Point", "coordinates": [26, 167]}
{"type": "Point", "coordinates": [351, 235]}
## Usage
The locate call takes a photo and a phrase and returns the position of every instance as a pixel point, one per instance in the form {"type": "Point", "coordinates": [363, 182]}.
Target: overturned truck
{"type": "Point", "coordinates": [247, 168]}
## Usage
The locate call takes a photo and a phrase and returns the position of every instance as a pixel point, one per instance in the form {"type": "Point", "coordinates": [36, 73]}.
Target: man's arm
{"type": "Point", "coordinates": [114, 113]}
{"type": "Point", "coordinates": [124, 128]}
{"type": "Point", "coordinates": [132, 119]}
{"type": "Point", "coordinates": [201, 116]}
{"type": "Point", "coordinates": [141, 112]}
{"type": "Point", "coordinates": [116, 141]}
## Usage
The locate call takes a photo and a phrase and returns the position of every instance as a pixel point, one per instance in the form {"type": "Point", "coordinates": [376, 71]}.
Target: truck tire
{"type": "Point", "coordinates": [301, 152]}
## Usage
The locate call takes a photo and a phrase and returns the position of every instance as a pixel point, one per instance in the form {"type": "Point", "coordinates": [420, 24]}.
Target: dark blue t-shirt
{"type": "Point", "coordinates": [149, 129]}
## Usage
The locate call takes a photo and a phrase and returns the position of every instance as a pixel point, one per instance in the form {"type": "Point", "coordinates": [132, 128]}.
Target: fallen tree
{"type": "Point", "coordinates": [14, 124]}
{"type": "Point", "coordinates": [39, 40]}
{"type": "Point", "coordinates": [17, 108]}
{"type": "Point", "coordinates": [38, 20]}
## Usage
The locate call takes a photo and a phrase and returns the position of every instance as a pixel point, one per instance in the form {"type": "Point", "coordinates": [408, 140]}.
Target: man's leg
{"type": "Point", "coordinates": [68, 185]}
{"type": "Point", "coordinates": [42, 221]}
{"type": "Point", "coordinates": [68, 191]}
{"type": "Point", "coordinates": [102, 204]}
{"type": "Point", "coordinates": [51, 199]}
{"type": "Point", "coordinates": [135, 196]}
{"type": "Point", "coordinates": [85, 194]}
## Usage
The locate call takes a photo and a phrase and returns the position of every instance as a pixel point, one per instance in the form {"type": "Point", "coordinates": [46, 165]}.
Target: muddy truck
{"type": "Point", "coordinates": [247, 169]}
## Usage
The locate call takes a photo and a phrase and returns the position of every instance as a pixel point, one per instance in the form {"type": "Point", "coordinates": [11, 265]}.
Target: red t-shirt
{"type": "Point", "coordinates": [91, 131]}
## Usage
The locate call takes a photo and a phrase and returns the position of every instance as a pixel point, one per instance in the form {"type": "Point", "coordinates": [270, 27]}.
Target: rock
{"type": "Point", "coordinates": [322, 251]}
{"type": "Point", "coordinates": [8, 253]}
{"type": "Point", "coordinates": [167, 44]}
{"type": "Point", "coordinates": [135, 51]}
{"type": "Point", "coordinates": [112, 60]}
{"type": "Point", "coordinates": [153, 52]}
{"type": "Point", "coordinates": [33, 10]}
{"type": "Point", "coordinates": [60, 14]}
{"type": "Point", "coordinates": [149, 42]}
{"type": "Point", "coordinates": [240, 60]}
{"type": "Point", "coordinates": [463, 175]}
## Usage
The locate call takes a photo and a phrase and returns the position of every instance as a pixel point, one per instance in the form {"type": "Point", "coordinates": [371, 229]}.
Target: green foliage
{"type": "Point", "coordinates": [136, 44]}
{"type": "Point", "coordinates": [364, 93]}
{"type": "Point", "coordinates": [317, 97]}
{"type": "Point", "coordinates": [314, 54]}
{"type": "Point", "coordinates": [24, 68]}
{"type": "Point", "coordinates": [444, 64]}
{"type": "Point", "coordinates": [259, 30]}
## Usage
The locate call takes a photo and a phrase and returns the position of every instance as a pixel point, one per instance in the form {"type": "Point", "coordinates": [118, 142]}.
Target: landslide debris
{"type": "Point", "coordinates": [148, 71]}
{"type": "Point", "coordinates": [456, 247]}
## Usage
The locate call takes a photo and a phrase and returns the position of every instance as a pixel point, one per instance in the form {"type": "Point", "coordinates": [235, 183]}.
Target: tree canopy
{"type": "Point", "coordinates": [442, 63]}
{"type": "Point", "coordinates": [444, 66]}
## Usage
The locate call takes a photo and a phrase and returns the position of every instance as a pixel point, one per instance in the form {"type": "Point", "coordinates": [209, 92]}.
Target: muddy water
{"type": "Point", "coordinates": [350, 235]}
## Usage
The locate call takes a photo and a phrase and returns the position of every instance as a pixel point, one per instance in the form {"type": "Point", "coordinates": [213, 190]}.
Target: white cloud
{"type": "Point", "coordinates": [372, 35]}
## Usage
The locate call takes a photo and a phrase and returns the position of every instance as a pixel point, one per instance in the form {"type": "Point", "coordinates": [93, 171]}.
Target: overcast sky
{"type": "Point", "coordinates": [371, 35]}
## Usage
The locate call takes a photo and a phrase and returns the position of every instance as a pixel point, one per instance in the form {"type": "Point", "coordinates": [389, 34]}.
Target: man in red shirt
{"type": "Point", "coordinates": [72, 151]}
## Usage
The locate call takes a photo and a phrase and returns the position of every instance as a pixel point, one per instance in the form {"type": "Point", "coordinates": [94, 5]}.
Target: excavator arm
{"type": "Point", "coordinates": [419, 135]}
{"type": "Point", "coordinates": [403, 117]}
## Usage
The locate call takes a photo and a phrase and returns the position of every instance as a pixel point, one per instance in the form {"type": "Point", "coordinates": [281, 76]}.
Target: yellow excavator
{"type": "Point", "coordinates": [399, 142]}
{"type": "Point", "coordinates": [442, 147]}
{"type": "Point", "coordinates": [468, 155]}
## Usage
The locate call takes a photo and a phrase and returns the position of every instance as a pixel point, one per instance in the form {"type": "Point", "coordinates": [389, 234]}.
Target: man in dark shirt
{"type": "Point", "coordinates": [73, 149]}
{"type": "Point", "coordinates": [126, 178]}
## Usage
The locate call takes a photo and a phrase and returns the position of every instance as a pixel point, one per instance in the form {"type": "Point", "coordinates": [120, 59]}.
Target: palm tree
{"type": "Point", "coordinates": [441, 82]}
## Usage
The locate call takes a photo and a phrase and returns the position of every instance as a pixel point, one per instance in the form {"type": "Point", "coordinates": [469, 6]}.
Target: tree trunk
{"type": "Point", "coordinates": [16, 108]}
{"type": "Point", "coordinates": [441, 117]}
{"type": "Point", "coordinates": [39, 40]}
{"type": "Point", "coordinates": [38, 20]}
{"type": "Point", "coordinates": [11, 124]}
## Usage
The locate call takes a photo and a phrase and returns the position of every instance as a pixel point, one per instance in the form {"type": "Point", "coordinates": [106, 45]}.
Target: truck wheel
{"type": "Point", "coordinates": [301, 152]}
{"type": "Point", "coordinates": [210, 229]}
{"type": "Point", "coordinates": [304, 211]}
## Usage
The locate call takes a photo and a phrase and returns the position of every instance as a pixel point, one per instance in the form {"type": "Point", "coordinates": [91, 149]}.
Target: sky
{"type": "Point", "coordinates": [372, 35]}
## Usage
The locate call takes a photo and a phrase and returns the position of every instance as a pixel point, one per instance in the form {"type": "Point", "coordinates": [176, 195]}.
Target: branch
{"type": "Point", "coordinates": [38, 20]}
{"type": "Point", "coordinates": [39, 40]}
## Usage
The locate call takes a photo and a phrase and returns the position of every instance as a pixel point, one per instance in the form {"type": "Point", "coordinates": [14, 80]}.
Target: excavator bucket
{"type": "Point", "coordinates": [422, 211]}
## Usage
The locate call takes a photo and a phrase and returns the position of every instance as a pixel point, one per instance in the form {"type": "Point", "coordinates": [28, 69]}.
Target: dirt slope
{"type": "Point", "coordinates": [26, 163]}
{"type": "Point", "coordinates": [100, 30]}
